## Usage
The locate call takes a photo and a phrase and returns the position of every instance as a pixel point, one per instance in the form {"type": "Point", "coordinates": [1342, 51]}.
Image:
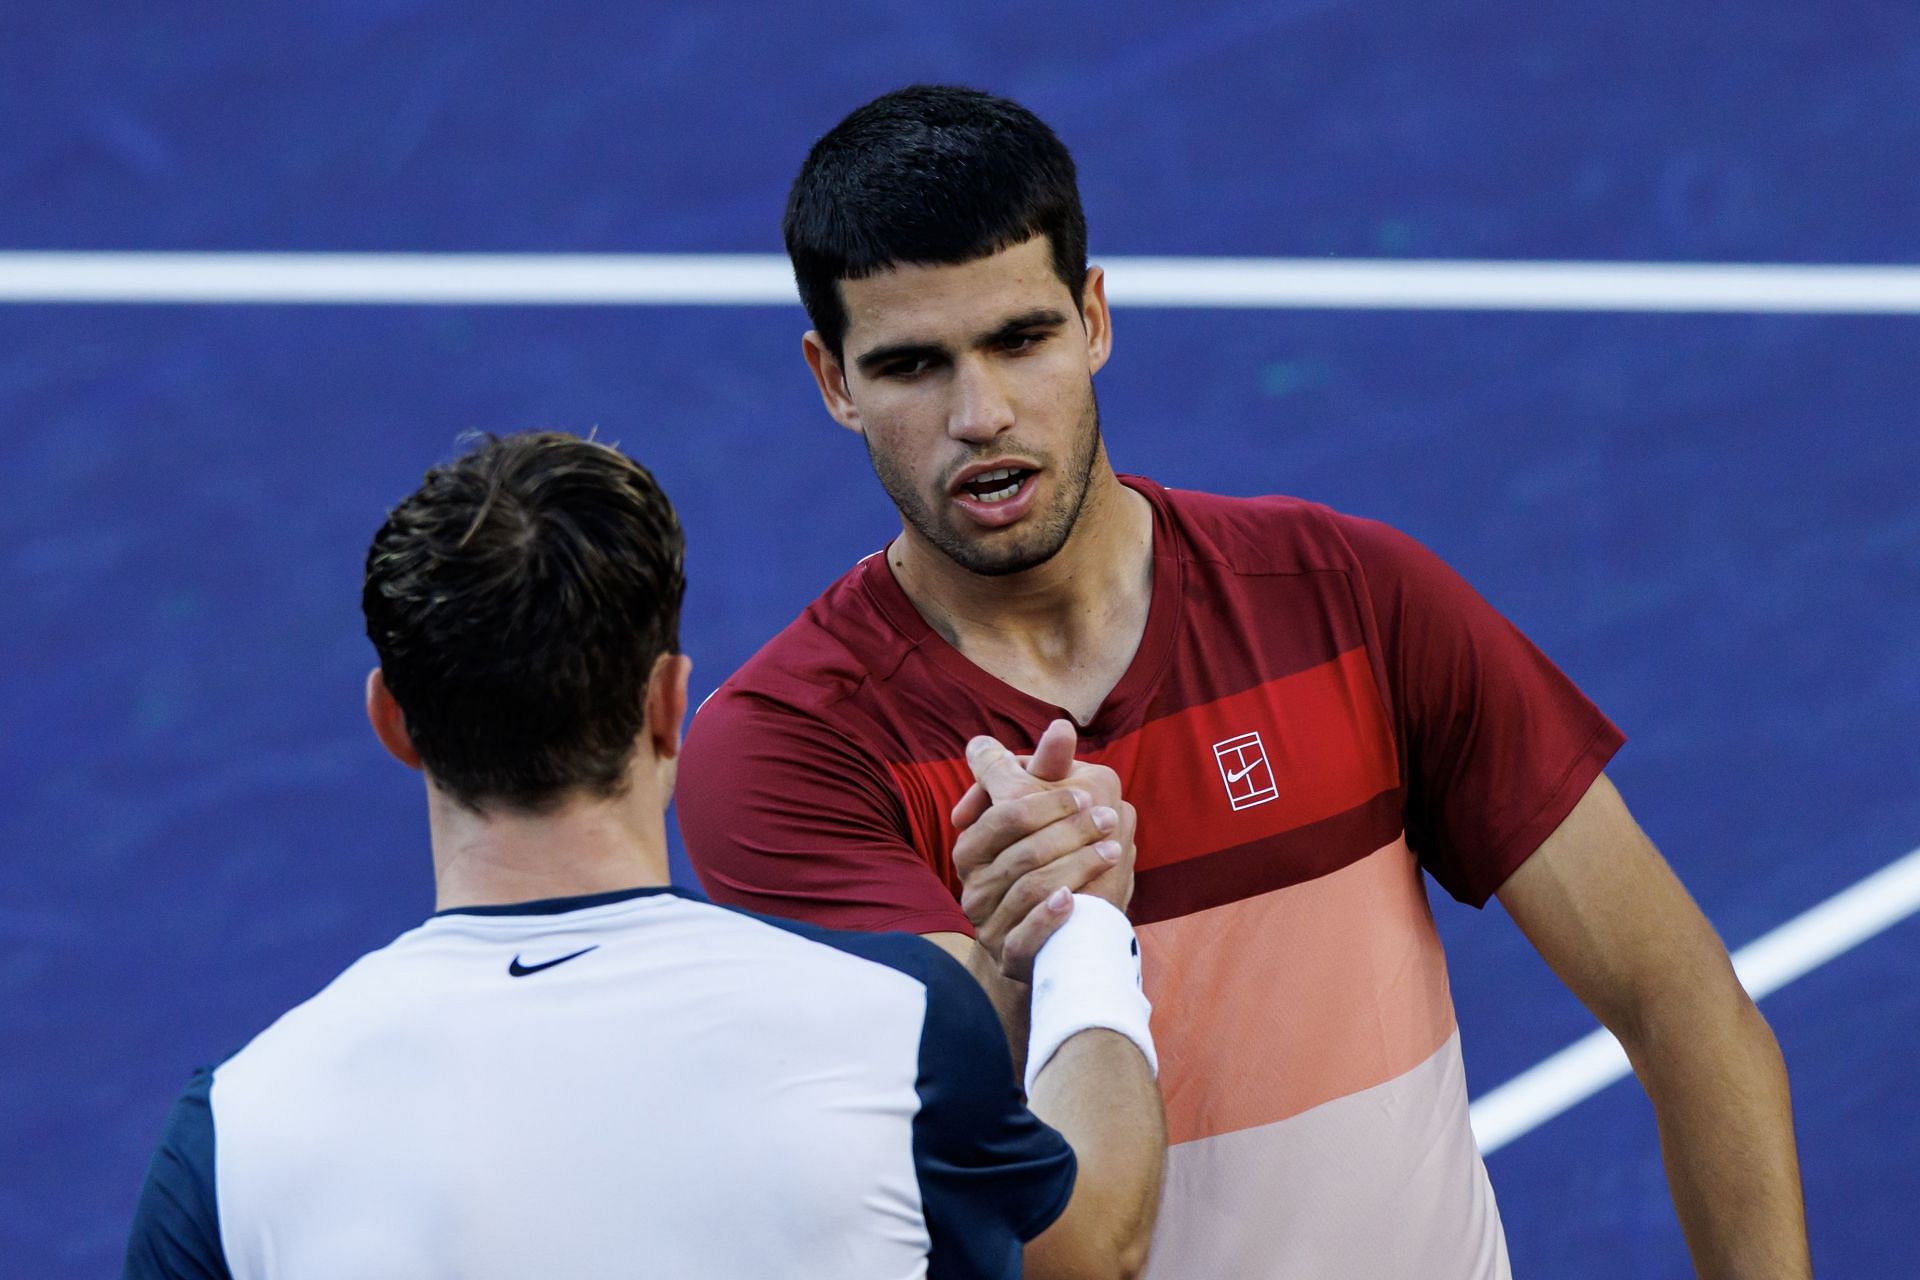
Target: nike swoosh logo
{"type": "Point", "coordinates": [1238, 774]}
{"type": "Point", "coordinates": [519, 970]}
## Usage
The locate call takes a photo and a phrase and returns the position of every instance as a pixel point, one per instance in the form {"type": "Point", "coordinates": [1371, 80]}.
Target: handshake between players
{"type": "Point", "coordinates": [572, 1068]}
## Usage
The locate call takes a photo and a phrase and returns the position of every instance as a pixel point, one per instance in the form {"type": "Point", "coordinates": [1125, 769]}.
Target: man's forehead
{"type": "Point", "coordinates": [952, 301]}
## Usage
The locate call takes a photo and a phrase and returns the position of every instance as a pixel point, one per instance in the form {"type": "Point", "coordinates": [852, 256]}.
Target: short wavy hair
{"type": "Point", "coordinates": [519, 600]}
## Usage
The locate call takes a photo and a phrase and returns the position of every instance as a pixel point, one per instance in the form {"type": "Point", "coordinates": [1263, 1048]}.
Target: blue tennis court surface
{"type": "Point", "coordinates": [1710, 521]}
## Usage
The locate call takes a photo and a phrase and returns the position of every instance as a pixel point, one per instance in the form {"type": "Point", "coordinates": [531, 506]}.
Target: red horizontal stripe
{"type": "Point", "coordinates": [1324, 748]}
{"type": "Point", "coordinates": [1323, 735]}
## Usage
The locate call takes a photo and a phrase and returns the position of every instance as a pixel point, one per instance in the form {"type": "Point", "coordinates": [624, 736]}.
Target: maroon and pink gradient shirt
{"type": "Point", "coordinates": [1318, 709]}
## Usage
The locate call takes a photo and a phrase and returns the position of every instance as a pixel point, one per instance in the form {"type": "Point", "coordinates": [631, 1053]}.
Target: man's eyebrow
{"type": "Point", "coordinates": [1038, 318]}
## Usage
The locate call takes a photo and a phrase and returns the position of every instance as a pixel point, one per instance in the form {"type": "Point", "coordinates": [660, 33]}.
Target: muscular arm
{"type": "Point", "coordinates": [1098, 1092]}
{"type": "Point", "coordinates": [1007, 1157]}
{"type": "Point", "coordinates": [1612, 920]}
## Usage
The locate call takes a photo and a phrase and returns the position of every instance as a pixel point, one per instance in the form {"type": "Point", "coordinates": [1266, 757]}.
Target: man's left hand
{"type": "Point", "coordinates": [1020, 844]}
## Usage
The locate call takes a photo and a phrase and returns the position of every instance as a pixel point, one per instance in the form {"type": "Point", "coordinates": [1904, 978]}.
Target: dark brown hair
{"type": "Point", "coordinates": [932, 175]}
{"type": "Point", "coordinates": [518, 600]}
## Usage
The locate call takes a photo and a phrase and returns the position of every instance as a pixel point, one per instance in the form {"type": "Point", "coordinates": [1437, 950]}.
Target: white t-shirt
{"type": "Point", "coordinates": [637, 1083]}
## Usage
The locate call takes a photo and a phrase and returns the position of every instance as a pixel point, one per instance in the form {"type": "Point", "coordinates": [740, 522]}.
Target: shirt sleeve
{"type": "Point", "coordinates": [782, 814]}
{"type": "Point", "coordinates": [176, 1226]}
{"type": "Point", "coordinates": [1496, 744]}
{"type": "Point", "coordinates": [992, 1174]}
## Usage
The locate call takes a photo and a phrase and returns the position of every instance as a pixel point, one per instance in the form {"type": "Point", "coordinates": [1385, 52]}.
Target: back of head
{"type": "Point", "coordinates": [519, 600]}
{"type": "Point", "coordinates": [929, 175]}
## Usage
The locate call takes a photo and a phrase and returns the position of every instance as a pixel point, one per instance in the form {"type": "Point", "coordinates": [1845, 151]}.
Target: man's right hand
{"type": "Point", "coordinates": [1032, 833]}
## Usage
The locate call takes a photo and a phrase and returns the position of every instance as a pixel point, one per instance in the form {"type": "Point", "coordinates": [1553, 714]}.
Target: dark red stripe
{"type": "Point", "coordinates": [1273, 862]}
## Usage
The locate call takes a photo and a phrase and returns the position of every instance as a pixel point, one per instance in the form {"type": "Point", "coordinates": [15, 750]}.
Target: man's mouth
{"type": "Point", "coordinates": [994, 486]}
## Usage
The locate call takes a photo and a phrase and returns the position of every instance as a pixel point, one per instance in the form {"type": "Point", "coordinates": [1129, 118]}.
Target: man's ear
{"type": "Point", "coordinates": [667, 703]}
{"type": "Point", "coordinates": [389, 723]}
{"type": "Point", "coordinates": [831, 377]}
{"type": "Point", "coordinates": [1097, 318]}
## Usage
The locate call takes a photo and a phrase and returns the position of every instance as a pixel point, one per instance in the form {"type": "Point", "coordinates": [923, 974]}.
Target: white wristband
{"type": "Point", "coordinates": [1088, 975]}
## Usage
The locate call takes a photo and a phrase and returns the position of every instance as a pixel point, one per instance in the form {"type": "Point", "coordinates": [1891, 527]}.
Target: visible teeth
{"type": "Point", "coordinates": [995, 486]}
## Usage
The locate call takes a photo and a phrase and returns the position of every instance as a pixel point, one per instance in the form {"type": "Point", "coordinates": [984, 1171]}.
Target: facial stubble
{"type": "Point", "coordinates": [1037, 540]}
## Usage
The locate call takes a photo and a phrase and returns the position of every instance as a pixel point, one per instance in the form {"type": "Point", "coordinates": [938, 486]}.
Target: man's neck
{"type": "Point", "coordinates": [585, 846]}
{"type": "Point", "coordinates": [1063, 631]}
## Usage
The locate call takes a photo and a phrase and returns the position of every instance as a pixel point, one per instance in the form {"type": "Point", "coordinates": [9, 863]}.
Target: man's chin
{"type": "Point", "coordinates": [992, 557]}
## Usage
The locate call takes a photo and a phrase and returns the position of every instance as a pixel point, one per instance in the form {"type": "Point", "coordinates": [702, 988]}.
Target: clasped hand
{"type": "Point", "coordinates": [1035, 830]}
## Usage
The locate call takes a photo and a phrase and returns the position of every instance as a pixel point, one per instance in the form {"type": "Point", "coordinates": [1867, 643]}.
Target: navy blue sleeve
{"type": "Point", "coordinates": [992, 1174]}
{"type": "Point", "coordinates": [176, 1227]}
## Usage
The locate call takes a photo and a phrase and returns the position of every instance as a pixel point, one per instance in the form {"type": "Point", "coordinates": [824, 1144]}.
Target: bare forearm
{"type": "Point", "coordinates": [1605, 910]}
{"type": "Point", "coordinates": [1098, 1092]}
{"type": "Point", "coordinates": [1010, 999]}
{"type": "Point", "coordinates": [1719, 1091]}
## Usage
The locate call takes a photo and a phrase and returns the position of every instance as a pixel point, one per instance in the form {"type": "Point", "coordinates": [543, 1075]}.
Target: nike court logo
{"type": "Point", "coordinates": [1244, 770]}
{"type": "Point", "coordinates": [519, 970]}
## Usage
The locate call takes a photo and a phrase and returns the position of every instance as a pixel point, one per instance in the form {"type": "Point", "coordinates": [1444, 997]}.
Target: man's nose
{"type": "Point", "coordinates": [981, 407]}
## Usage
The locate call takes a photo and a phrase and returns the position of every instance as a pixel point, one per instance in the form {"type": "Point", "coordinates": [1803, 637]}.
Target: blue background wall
{"type": "Point", "coordinates": [1709, 521]}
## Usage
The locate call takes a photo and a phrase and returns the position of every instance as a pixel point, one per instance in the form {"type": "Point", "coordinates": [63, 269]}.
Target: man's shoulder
{"type": "Point", "coordinates": [826, 677]}
{"type": "Point", "coordinates": [360, 997]}
{"type": "Point", "coordinates": [904, 953]}
{"type": "Point", "coordinates": [1264, 533]}
{"type": "Point", "coordinates": [838, 643]}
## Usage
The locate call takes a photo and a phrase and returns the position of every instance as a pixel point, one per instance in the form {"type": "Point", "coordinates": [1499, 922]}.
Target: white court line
{"type": "Point", "coordinates": [765, 280]}
{"type": "Point", "coordinates": [1804, 943]}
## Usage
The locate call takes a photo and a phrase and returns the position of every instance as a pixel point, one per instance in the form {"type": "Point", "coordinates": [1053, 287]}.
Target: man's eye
{"type": "Point", "coordinates": [905, 369]}
{"type": "Point", "coordinates": [1023, 341]}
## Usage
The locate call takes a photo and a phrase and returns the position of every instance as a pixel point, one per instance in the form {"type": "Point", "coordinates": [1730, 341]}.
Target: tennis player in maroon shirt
{"type": "Point", "coordinates": [1254, 724]}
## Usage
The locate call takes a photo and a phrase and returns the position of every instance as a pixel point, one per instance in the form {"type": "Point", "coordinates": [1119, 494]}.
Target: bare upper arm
{"type": "Point", "coordinates": [1610, 917]}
